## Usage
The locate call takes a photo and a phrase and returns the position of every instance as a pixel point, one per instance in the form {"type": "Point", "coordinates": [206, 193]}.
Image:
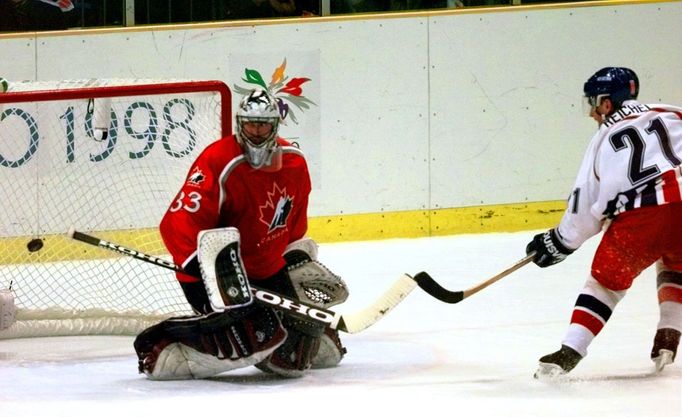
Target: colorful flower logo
{"type": "Point", "coordinates": [286, 91]}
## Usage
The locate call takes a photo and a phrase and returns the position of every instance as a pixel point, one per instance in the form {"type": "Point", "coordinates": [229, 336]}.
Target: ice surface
{"type": "Point", "coordinates": [474, 358]}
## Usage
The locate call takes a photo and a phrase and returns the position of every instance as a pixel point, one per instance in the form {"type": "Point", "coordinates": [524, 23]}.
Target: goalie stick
{"type": "Point", "coordinates": [349, 323]}
{"type": "Point", "coordinates": [434, 289]}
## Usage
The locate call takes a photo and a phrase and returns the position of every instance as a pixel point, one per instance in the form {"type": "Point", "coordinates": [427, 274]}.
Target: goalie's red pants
{"type": "Point", "coordinates": [635, 240]}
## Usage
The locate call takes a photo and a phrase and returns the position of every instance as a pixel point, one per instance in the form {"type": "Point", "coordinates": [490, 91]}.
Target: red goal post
{"type": "Point", "coordinates": [105, 156]}
{"type": "Point", "coordinates": [109, 91]}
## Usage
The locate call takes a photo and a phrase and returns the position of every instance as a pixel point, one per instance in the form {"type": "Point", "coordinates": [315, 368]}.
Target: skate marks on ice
{"type": "Point", "coordinates": [652, 374]}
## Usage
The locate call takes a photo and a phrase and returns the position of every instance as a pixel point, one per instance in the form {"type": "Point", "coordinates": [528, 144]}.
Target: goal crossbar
{"type": "Point", "coordinates": [129, 90]}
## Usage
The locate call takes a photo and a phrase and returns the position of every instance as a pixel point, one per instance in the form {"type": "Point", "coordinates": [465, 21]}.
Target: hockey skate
{"type": "Point", "coordinates": [665, 348]}
{"type": "Point", "coordinates": [558, 363]}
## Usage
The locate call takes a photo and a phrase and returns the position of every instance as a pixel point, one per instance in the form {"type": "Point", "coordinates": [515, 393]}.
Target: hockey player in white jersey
{"type": "Point", "coordinates": [630, 186]}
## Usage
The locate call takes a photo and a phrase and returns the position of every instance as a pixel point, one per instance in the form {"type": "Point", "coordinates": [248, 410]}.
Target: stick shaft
{"type": "Point", "coordinates": [94, 241]}
{"type": "Point", "coordinates": [428, 284]}
{"type": "Point", "coordinates": [473, 290]}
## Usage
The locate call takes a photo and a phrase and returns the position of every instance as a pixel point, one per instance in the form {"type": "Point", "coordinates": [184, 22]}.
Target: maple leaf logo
{"type": "Point", "coordinates": [196, 178]}
{"type": "Point", "coordinates": [275, 212]}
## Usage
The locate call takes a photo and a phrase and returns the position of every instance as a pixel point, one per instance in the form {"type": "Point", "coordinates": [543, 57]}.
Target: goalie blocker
{"type": "Point", "coordinates": [240, 333]}
{"type": "Point", "coordinates": [222, 269]}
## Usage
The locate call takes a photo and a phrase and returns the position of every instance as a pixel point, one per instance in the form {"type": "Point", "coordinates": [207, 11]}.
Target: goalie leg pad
{"type": "Point", "coordinates": [203, 346]}
{"type": "Point", "coordinates": [178, 361]}
{"type": "Point", "coordinates": [169, 363]}
{"type": "Point", "coordinates": [330, 352]}
{"type": "Point", "coordinates": [295, 355]}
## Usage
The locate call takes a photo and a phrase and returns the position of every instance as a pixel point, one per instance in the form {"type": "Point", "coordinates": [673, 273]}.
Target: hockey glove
{"type": "Point", "coordinates": [548, 249]}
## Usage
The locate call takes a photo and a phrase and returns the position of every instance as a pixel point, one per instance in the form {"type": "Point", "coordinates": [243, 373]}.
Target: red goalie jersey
{"type": "Point", "coordinates": [221, 190]}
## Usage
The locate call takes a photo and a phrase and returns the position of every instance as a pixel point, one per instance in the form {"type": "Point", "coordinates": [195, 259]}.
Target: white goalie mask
{"type": "Point", "coordinates": [257, 125]}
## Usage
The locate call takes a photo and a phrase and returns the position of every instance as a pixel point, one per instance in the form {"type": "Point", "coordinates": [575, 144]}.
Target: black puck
{"type": "Point", "coordinates": [35, 245]}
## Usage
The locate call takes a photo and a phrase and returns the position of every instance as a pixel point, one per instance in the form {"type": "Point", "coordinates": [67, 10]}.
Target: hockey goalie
{"type": "Point", "coordinates": [256, 183]}
{"type": "Point", "coordinates": [235, 332]}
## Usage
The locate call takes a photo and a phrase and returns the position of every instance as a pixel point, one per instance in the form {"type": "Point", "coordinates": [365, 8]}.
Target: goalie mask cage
{"type": "Point", "coordinates": [106, 156]}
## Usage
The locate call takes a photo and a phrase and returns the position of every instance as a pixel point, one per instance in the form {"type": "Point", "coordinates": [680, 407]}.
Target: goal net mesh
{"type": "Point", "coordinates": [105, 157]}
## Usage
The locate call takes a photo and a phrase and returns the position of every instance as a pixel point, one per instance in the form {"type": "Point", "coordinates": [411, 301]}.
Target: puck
{"type": "Point", "coordinates": [35, 245]}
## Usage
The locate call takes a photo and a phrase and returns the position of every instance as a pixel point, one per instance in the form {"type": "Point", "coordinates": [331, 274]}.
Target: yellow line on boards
{"type": "Point", "coordinates": [440, 222]}
{"type": "Point", "coordinates": [324, 229]}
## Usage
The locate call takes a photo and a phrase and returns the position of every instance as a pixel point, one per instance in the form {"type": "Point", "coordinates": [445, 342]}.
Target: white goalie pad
{"type": "Point", "coordinates": [178, 362]}
{"type": "Point", "coordinates": [8, 310]}
{"type": "Point", "coordinates": [222, 269]}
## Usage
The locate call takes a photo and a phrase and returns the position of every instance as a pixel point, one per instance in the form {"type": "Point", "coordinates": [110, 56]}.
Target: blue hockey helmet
{"type": "Point", "coordinates": [616, 83]}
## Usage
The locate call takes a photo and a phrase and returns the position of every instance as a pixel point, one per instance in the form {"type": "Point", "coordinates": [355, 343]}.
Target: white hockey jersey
{"type": "Point", "coordinates": [632, 161]}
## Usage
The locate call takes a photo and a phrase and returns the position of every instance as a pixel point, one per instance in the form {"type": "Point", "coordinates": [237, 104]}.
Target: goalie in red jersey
{"type": "Point", "coordinates": [257, 184]}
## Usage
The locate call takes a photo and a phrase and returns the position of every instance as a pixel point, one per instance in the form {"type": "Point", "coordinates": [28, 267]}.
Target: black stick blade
{"type": "Point", "coordinates": [434, 289]}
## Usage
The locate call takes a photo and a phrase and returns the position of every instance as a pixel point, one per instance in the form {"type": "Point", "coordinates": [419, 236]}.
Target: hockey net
{"type": "Point", "coordinates": [106, 157]}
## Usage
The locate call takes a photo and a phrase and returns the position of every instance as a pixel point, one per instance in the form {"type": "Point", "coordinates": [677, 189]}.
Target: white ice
{"type": "Point", "coordinates": [474, 358]}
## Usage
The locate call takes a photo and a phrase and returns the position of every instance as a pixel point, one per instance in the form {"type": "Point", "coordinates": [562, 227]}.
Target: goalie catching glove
{"type": "Point", "coordinates": [310, 280]}
{"type": "Point", "coordinates": [548, 248]}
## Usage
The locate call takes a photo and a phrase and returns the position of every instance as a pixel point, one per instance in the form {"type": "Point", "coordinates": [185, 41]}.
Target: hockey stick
{"type": "Point", "coordinates": [349, 323]}
{"type": "Point", "coordinates": [434, 289]}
